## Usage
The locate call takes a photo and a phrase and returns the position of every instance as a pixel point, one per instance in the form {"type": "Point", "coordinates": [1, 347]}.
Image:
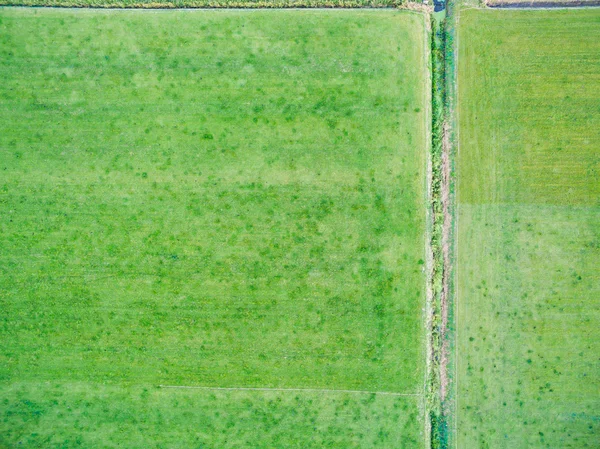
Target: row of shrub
{"type": "Point", "coordinates": [439, 109]}
{"type": "Point", "coordinates": [169, 4]}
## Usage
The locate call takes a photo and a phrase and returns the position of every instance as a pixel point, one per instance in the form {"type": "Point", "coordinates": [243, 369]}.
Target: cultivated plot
{"type": "Point", "coordinates": [529, 240]}
{"type": "Point", "coordinates": [212, 198]}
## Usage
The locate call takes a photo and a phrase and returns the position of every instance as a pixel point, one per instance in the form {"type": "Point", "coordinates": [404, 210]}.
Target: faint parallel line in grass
{"type": "Point", "coordinates": [301, 390]}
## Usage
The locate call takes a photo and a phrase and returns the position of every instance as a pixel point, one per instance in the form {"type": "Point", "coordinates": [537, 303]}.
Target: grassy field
{"type": "Point", "coordinates": [529, 240]}
{"type": "Point", "coordinates": [88, 415]}
{"type": "Point", "coordinates": [226, 198]}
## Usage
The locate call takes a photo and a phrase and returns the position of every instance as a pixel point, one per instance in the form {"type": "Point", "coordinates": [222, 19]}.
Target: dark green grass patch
{"type": "Point", "coordinates": [212, 198]}
{"type": "Point", "coordinates": [529, 241]}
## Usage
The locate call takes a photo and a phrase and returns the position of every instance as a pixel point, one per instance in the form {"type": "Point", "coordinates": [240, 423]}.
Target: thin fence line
{"type": "Point", "coordinates": [306, 390]}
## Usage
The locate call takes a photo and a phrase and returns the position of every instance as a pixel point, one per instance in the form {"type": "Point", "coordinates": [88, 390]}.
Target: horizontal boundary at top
{"type": "Point", "coordinates": [235, 7]}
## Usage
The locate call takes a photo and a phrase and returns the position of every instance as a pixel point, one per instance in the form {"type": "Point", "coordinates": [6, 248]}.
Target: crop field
{"type": "Point", "coordinates": [528, 229]}
{"type": "Point", "coordinates": [216, 199]}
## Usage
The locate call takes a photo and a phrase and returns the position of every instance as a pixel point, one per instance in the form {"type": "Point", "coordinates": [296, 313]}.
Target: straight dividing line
{"type": "Point", "coordinates": [99, 7]}
{"type": "Point", "coordinates": [304, 390]}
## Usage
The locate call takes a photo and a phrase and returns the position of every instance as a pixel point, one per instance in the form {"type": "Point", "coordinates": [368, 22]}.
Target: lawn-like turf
{"type": "Point", "coordinates": [218, 198]}
{"type": "Point", "coordinates": [88, 415]}
{"type": "Point", "coordinates": [529, 234]}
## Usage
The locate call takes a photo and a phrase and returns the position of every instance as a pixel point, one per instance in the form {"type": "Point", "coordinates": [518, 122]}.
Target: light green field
{"type": "Point", "coordinates": [212, 198]}
{"type": "Point", "coordinates": [529, 234]}
{"type": "Point", "coordinates": [94, 415]}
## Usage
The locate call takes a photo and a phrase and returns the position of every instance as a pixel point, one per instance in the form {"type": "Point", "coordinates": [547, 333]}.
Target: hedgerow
{"type": "Point", "coordinates": [170, 4]}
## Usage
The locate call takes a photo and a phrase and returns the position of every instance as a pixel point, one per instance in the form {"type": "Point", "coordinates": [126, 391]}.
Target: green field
{"type": "Point", "coordinates": [92, 415]}
{"type": "Point", "coordinates": [528, 229]}
{"type": "Point", "coordinates": [212, 198]}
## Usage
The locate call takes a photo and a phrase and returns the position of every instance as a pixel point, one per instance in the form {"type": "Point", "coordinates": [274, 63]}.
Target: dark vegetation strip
{"type": "Point", "coordinates": [449, 343]}
{"type": "Point", "coordinates": [442, 51]}
{"type": "Point", "coordinates": [437, 274]}
{"type": "Point", "coordinates": [169, 4]}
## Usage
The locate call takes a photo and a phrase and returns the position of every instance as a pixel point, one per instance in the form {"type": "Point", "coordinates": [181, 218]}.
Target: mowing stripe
{"type": "Point", "coordinates": [305, 390]}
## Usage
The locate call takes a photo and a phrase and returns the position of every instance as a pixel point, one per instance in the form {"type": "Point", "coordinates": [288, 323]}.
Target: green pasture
{"type": "Point", "coordinates": [90, 415]}
{"type": "Point", "coordinates": [212, 198]}
{"type": "Point", "coordinates": [528, 229]}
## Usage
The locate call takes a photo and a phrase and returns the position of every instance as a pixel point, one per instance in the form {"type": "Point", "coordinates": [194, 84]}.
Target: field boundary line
{"type": "Point", "coordinates": [305, 390]}
{"type": "Point", "coordinates": [456, 224]}
{"type": "Point", "coordinates": [241, 6]}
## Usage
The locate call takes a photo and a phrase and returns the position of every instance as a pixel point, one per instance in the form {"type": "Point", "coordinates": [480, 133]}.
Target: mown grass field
{"type": "Point", "coordinates": [528, 234]}
{"type": "Point", "coordinates": [224, 199]}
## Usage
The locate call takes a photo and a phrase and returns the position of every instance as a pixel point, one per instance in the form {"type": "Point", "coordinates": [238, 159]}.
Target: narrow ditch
{"type": "Point", "coordinates": [440, 161]}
